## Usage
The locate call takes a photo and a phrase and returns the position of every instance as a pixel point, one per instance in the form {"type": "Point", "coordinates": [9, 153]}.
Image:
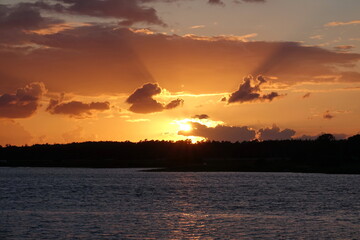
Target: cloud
{"type": "Point", "coordinates": [136, 57]}
{"type": "Point", "coordinates": [327, 115]}
{"type": "Point", "coordinates": [16, 21]}
{"type": "Point", "coordinates": [142, 100]}
{"type": "Point", "coordinates": [216, 2]}
{"type": "Point", "coordinates": [318, 37]}
{"type": "Point", "coordinates": [254, 1]}
{"type": "Point", "coordinates": [242, 38]}
{"type": "Point", "coordinates": [76, 108]}
{"type": "Point", "coordinates": [23, 103]}
{"type": "Point", "coordinates": [220, 132]}
{"type": "Point", "coordinates": [174, 103]}
{"type": "Point", "coordinates": [344, 47]}
{"type": "Point", "coordinates": [306, 95]}
{"type": "Point", "coordinates": [197, 26]}
{"type": "Point", "coordinates": [275, 133]}
{"type": "Point", "coordinates": [249, 91]}
{"type": "Point", "coordinates": [201, 116]}
{"type": "Point", "coordinates": [23, 16]}
{"type": "Point", "coordinates": [138, 120]}
{"type": "Point", "coordinates": [128, 12]}
{"type": "Point", "coordinates": [335, 24]}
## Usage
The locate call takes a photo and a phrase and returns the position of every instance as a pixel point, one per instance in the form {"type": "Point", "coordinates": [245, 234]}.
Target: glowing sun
{"type": "Point", "coordinates": [185, 127]}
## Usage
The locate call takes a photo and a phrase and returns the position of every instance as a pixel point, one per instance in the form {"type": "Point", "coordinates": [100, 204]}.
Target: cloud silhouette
{"type": "Point", "coordinates": [220, 132]}
{"type": "Point", "coordinates": [23, 103]}
{"type": "Point", "coordinates": [76, 108]}
{"type": "Point", "coordinates": [174, 103]}
{"type": "Point", "coordinates": [201, 116]}
{"type": "Point", "coordinates": [23, 16]}
{"type": "Point", "coordinates": [16, 23]}
{"type": "Point", "coordinates": [142, 100]}
{"type": "Point", "coordinates": [128, 11]}
{"type": "Point", "coordinates": [275, 133]}
{"type": "Point", "coordinates": [250, 91]}
{"type": "Point", "coordinates": [327, 115]}
{"type": "Point", "coordinates": [216, 2]}
{"type": "Point", "coordinates": [306, 95]}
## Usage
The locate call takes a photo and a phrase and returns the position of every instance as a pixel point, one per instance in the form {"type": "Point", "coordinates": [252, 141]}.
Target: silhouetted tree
{"type": "Point", "coordinates": [355, 138]}
{"type": "Point", "coordinates": [326, 137]}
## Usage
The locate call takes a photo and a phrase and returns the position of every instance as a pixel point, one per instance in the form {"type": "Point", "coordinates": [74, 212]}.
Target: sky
{"type": "Point", "coordinates": [132, 70]}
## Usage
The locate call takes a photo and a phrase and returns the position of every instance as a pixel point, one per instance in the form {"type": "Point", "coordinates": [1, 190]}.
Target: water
{"type": "Point", "coordinates": [59, 203]}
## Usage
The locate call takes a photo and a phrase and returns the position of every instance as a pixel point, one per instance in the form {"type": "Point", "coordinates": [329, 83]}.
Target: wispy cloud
{"type": "Point", "coordinates": [197, 26]}
{"type": "Point", "coordinates": [344, 47]}
{"type": "Point", "coordinates": [138, 120]}
{"type": "Point", "coordinates": [335, 24]}
{"type": "Point", "coordinates": [242, 38]}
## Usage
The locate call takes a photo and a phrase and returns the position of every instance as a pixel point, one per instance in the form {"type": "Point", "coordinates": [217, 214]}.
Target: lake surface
{"type": "Point", "coordinates": [60, 203]}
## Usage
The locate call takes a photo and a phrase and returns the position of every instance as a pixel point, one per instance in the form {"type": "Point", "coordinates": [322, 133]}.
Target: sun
{"type": "Point", "coordinates": [186, 127]}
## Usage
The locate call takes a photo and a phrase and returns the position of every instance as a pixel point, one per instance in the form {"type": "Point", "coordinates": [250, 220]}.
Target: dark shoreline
{"type": "Point", "coordinates": [200, 170]}
{"type": "Point", "coordinates": [197, 170]}
{"type": "Point", "coordinates": [309, 156]}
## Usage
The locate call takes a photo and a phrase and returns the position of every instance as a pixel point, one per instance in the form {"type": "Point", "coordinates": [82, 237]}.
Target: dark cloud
{"type": "Point", "coordinates": [275, 133]}
{"type": "Point", "coordinates": [127, 11]}
{"type": "Point", "coordinates": [201, 116]}
{"type": "Point", "coordinates": [306, 95]}
{"type": "Point", "coordinates": [23, 16]}
{"type": "Point", "coordinates": [174, 104]}
{"type": "Point", "coordinates": [220, 132]}
{"type": "Point", "coordinates": [250, 91]}
{"type": "Point", "coordinates": [270, 96]}
{"type": "Point", "coordinates": [327, 115]}
{"type": "Point", "coordinates": [23, 103]}
{"type": "Point", "coordinates": [76, 108]}
{"type": "Point", "coordinates": [142, 100]}
{"type": "Point", "coordinates": [16, 22]}
{"type": "Point", "coordinates": [216, 2]}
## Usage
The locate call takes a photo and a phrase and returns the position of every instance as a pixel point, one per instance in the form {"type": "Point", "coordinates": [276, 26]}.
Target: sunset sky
{"type": "Point", "coordinates": [234, 70]}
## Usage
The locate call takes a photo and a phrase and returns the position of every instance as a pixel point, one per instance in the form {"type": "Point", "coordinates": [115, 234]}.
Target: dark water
{"type": "Point", "coordinates": [55, 203]}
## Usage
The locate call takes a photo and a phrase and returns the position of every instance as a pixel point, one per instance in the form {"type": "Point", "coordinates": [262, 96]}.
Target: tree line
{"type": "Point", "coordinates": [325, 154]}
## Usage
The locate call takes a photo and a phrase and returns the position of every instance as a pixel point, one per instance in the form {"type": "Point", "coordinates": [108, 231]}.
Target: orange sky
{"type": "Point", "coordinates": [116, 70]}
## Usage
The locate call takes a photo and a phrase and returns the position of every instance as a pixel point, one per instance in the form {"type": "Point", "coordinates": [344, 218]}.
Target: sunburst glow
{"type": "Point", "coordinates": [185, 127]}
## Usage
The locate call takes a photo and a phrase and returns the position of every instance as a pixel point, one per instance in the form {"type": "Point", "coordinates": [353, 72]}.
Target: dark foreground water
{"type": "Point", "coordinates": [58, 203]}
